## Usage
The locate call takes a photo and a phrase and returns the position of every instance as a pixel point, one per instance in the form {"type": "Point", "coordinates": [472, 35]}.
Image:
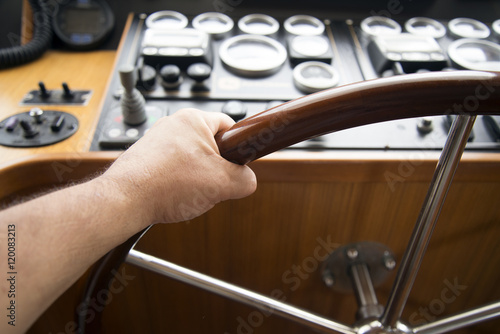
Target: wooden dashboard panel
{"type": "Point", "coordinates": [80, 71]}
{"type": "Point", "coordinates": [268, 241]}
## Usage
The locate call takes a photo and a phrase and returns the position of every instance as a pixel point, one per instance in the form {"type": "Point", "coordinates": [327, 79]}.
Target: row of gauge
{"type": "Point", "coordinates": [218, 24]}
{"type": "Point", "coordinates": [255, 52]}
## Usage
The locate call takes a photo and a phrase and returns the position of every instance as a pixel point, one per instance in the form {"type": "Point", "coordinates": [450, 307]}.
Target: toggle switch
{"type": "Point", "coordinates": [44, 93]}
{"type": "Point", "coordinates": [67, 93]}
{"type": "Point", "coordinates": [57, 123]}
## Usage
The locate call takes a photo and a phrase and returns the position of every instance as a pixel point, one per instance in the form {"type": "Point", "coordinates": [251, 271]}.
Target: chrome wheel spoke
{"type": "Point", "coordinates": [460, 320]}
{"type": "Point", "coordinates": [441, 181]}
{"type": "Point", "coordinates": [237, 293]}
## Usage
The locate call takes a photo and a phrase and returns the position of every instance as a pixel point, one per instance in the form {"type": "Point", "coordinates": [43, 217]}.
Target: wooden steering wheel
{"type": "Point", "coordinates": [415, 95]}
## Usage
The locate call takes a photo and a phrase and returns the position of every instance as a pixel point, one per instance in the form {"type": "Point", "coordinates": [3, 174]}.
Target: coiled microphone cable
{"type": "Point", "coordinates": [41, 41]}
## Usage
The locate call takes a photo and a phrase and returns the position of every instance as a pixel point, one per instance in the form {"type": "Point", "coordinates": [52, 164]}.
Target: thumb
{"type": "Point", "coordinates": [242, 180]}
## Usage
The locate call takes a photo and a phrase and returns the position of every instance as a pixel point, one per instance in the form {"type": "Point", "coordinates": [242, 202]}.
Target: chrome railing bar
{"type": "Point", "coordinates": [234, 292]}
{"type": "Point", "coordinates": [443, 175]}
{"type": "Point", "coordinates": [460, 320]}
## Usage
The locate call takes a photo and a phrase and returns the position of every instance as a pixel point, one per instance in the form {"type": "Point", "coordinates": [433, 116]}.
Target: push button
{"type": "Point", "coordinates": [235, 109]}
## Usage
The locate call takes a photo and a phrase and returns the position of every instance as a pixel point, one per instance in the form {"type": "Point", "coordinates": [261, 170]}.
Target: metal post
{"type": "Point", "coordinates": [365, 293]}
{"type": "Point", "coordinates": [443, 175]}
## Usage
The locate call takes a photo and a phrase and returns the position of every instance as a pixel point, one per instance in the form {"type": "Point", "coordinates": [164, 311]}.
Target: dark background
{"type": "Point", "coordinates": [484, 10]}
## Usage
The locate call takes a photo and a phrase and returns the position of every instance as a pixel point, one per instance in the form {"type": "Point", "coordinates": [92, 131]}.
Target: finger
{"type": "Point", "coordinates": [242, 182]}
{"type": "Point", "coordinates": [217, 121]}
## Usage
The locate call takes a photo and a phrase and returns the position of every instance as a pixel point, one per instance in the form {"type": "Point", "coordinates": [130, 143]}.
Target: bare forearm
{"type": "Point", "coordinates": [154, 181]}
{"type": "Point", "coordinates": [85, 222]}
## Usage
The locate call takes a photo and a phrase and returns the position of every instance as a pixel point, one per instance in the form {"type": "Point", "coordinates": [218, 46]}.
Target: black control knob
{"type": "Point", "coordinates": [28, 130]}
{"type": "Point", "coordinates": [147, 77]}
{"type": "Point", "coordinates": [133, 103]}
{"type": "Point", "coordinates": [199, 72]}
{"type": "Point", "coordinates": [170, 76]}
{"type": "Point", "coordinates": [425, 126]}
{"type": "Point", "coordinates": [235, 109]}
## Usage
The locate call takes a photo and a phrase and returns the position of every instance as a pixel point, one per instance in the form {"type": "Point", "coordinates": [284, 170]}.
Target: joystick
{"type": "Point", "coordinates": [133, 103]}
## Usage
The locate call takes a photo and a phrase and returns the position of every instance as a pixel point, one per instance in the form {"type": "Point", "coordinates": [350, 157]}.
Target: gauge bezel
{"type": "Point", "coordinates": [459, 60]}
{"type": "Point", "coordinates": [312, 85]}
{"type": "Point", "coordinates": [366, 26]}
{"type": "Point", "coordinates": [245, 27]}
{"type": "Point", "coordinates": [482, 32]}
{"type": "Point", "coordinates": [319, 27]}
{"type": "Point", "coordinates": [439, 32]}
{"type": "Point", "coordinates": [152, 18]}
{"type": "Point", "coordinates": [249, 69]}
{"type": "Point", "coordinates": [227, 23]}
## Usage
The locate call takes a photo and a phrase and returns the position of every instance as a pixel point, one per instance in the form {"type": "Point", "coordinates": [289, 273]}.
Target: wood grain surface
{"type": "Point", "coordinates": [80, 71]}
{"type": "Point", "coordinates": [275, 240]}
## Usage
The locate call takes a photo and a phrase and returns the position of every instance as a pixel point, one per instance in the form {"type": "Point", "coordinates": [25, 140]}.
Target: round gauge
{"type": "Point", "coordinates": [380, 25]}
{"type": "Point", "coordinates": [313, 76]}
{"type": "Point", "coordinates": [468, 28]}
{"type": "Point", "coordinates": [252, 55]}
{"type": "Point", "coordinates": [311, 46]}
{"type": "Point", "coordinates": [474, 54]}
{"type": "Point", "coordinates": [304, 25]}
{"type": "Point", "coordinates": [424, 26]}
{"type": "Point", "coordinates": [258, 24]}
{"type": "Point", "coordinates": [83, 25]}
{"type": "Point", "coordinates": [213, 23]}
{"type": "Point", "coordinates": [167, 20]}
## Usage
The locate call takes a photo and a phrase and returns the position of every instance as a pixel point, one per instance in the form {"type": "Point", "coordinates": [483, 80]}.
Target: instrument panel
{"type": "Point", "coordinates": [242, 66]}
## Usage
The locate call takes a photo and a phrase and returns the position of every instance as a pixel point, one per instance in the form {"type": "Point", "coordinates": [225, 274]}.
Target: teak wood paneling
{"type": "Point", "coordinates": [261, 241]}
